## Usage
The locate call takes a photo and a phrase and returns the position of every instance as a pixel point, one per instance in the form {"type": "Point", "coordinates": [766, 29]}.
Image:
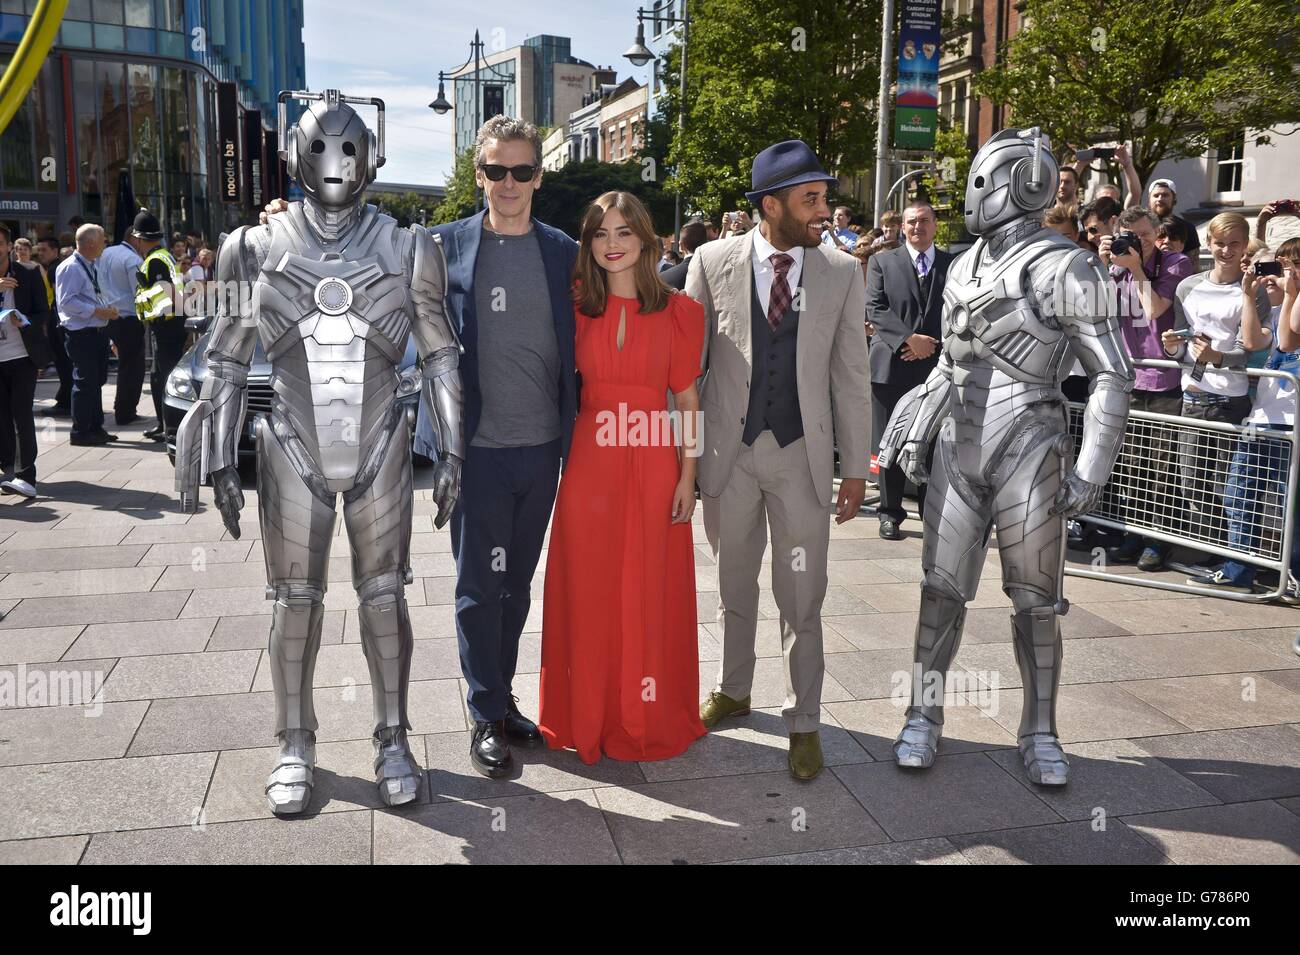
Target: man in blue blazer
{"type": "Point", "coordinates": [508, 296]}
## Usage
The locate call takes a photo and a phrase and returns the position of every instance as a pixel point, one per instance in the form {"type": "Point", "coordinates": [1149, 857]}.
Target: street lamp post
{"type": "Point", "coordinates": [640, 55]}
{"type": "Point", "coordinates": [882, 121]}
{"type": "Point", "coordinates": [440, 104]}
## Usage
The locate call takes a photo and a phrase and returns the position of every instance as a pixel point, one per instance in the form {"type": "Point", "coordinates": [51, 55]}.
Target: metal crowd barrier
{"type": "Point", "coordinates": [1227, 490]}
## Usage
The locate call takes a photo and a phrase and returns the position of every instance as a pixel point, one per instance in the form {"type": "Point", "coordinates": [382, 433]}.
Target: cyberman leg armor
{"type": "Point", "coordinates": [337, 292]}
{"type": "Point", "coordinates": [1018, 306]}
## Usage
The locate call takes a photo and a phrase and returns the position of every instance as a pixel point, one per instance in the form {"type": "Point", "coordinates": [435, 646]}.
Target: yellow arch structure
{"type": "Point", "coordinates": [22, 70]}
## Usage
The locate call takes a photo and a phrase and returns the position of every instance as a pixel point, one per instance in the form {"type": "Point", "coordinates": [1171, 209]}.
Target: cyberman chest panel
{"type": "Point", "coordinates": [991, 318]}
{"type": "Point", "coordinates": [334, 324]}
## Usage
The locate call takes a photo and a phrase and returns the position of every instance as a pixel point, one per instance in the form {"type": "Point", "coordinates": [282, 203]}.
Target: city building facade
{"type": "Point", "coordinates": [168, 104]}
{"type": "Point", "coordinates": [539, 81]}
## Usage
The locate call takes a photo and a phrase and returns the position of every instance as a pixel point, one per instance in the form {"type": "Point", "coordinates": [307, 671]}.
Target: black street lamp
{"type": "Point", "coordinates": [639, 55]}
{"type": "Point", "coordinates": [440, 104]}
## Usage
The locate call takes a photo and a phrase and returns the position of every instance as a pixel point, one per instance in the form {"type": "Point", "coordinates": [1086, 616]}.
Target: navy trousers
{"type": "Point", "coordinates": [497, 530]}
{"type": "Point", "coordinates": [88, 349]}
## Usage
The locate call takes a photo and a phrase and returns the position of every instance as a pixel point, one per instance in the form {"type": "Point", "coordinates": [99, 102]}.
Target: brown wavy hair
{"type": "Point", "coordinates": [590, 283]}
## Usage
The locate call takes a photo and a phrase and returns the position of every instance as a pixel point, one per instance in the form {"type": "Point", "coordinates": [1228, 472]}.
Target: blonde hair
{"type": "Point", "coordinates": [1227, 222]}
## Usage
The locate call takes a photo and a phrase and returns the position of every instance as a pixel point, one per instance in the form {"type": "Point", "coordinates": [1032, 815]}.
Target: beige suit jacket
{"type": "Point", "coordinates": [831, 359]}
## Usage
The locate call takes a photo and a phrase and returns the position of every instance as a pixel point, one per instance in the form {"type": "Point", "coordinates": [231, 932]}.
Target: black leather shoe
{"type": "Point", "coordinates": [107, 436]}
{"type": "Point", "coordinates": [520, 728]}
{"type": "Point", "coordinates": [156, 434]}
{"type": "Point", "coordinates": [889, 530]}
{"type": "Point", "coordinates": [489, 750]}
{"type": "Point", "coordinates": [87, 441]}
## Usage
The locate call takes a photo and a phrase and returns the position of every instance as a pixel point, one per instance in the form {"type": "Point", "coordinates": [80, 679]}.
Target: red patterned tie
{"type": "Point", "coordinates": [780, 299]}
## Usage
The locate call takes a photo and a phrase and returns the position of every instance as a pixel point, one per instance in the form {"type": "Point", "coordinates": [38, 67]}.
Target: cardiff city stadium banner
{"type": "Point", "coordinates": [917, 104]}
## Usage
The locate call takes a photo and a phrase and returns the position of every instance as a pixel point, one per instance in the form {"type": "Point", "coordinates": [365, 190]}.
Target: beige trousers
{"type": "Point", "coordinates": [772, 486]}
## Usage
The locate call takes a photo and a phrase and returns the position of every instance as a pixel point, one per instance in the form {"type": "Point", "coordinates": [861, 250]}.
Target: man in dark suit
{"type": "Point", "coordinates": [904, 303]}
{"type": "Point", "coordinates": [508, 298]}
{"type": "Point", "coordinates": [693, 235]}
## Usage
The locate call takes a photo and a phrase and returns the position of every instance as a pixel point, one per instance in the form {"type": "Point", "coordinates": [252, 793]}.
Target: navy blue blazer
{"type": "Point", "coordinates": [460, 241]}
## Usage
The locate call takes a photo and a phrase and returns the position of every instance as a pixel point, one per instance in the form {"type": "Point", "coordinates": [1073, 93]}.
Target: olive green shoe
{"type": "Point", "coordinates": [719, 706]}
{"type": "Point", "coordinates": [805, 755]}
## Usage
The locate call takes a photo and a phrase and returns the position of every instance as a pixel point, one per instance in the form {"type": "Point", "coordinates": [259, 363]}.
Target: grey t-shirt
{"type": "Point", "coordinates": [518, 355]}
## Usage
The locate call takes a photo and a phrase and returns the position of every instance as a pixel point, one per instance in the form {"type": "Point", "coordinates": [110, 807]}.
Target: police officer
{"type": "Point", "coordinates": [157, 280]}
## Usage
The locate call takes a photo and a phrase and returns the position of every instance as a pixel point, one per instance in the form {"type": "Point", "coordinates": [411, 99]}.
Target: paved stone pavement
{"type": "Point", "coordinates": [1181, 714]}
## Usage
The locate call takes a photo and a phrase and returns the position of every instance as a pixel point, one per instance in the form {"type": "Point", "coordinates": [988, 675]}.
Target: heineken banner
{"type": "Point", "coordinates": [917, 104]}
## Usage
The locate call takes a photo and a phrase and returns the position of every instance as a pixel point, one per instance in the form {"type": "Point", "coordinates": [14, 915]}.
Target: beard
{"type": "Point", "coordinates": [792, 232]}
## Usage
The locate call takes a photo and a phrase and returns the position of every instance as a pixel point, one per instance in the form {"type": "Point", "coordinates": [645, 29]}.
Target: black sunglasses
{"type": "Point", "coordinates": [496, 173]}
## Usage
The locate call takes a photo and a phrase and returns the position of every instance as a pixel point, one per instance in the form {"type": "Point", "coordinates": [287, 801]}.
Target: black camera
{"type": "Point", "coordinates": [1126, 242]}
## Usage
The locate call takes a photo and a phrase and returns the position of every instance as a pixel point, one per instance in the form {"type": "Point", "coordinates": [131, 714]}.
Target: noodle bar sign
{"type": "Point", "coordinates": [228, 142]}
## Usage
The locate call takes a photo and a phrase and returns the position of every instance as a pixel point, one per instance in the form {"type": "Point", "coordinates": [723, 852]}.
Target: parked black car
{"type": "Point", "coordinates": [186, 382]}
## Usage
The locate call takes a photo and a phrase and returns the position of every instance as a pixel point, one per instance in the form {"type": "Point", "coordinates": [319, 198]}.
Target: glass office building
{"type": "Point", "coordinates": [128, 98]}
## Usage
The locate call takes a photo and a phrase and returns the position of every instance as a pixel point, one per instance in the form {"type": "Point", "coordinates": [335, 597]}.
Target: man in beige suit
{"type": "Point", "coordinates": [785, 374]}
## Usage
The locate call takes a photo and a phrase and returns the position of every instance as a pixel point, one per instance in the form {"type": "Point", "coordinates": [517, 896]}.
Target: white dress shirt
{"type": "Point", "coordinates": [764, 273]}
{"type": "Point", "coordinates": [929, 257]}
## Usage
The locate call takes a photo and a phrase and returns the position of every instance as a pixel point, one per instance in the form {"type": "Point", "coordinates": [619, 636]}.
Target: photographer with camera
{"type": "Point", "coordinates": [1278, 207]}
{"type": "Point", "coordinates": [1118, 154]}
{"type": "Point", "coordinates": [1147, 278]}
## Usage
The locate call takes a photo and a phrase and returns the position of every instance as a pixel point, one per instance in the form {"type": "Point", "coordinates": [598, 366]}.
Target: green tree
{"type": "Point", "coordinates": [565, 193]}
{"type": "Point", "coordinates": [405, 207]}
{"type": "Point", "coordinates": [1173, 77]}
{"type": "Point", "coordinates": [461, 199]}
{"type": "Point", "coordinates": [761, 73]}
{"type": "Point", "coordinates": [947, 189]}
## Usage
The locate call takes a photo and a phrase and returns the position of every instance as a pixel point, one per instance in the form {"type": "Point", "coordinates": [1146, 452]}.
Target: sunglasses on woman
{"type": "Point", "coordinates": [496, 172]}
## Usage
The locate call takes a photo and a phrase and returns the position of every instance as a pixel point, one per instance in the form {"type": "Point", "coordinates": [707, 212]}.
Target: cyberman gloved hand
{"type": "Point", "coordinates": [338, 290]}
{"type": "Point", "coordinates": [1018, 307]}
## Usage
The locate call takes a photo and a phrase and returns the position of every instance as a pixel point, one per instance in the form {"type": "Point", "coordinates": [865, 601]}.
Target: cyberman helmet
{"type": "Point", "coordinates": [1013, 175]}
{"type": "Point", "coordinates": [329, 150]}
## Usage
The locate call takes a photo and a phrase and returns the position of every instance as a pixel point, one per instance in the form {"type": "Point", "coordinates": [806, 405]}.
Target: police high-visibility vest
{"type": "Point", "coordinates": [155, 301]}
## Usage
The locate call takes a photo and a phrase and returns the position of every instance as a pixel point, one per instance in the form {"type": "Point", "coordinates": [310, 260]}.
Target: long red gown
{"type": "Point", "coordinates": [620, 666]}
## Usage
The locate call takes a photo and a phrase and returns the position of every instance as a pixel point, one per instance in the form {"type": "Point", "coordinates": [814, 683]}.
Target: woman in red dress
{"type": "Point", "coordinates": [620, 670]}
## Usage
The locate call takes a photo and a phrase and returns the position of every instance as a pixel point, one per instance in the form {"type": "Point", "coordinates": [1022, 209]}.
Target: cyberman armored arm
{"type": "Point", "coordinates": [441, 394]}
{"type": "Point", "coordinates": [207, 440]}
{"type": "Point", "coordinates": [915, 423]}
{"type": "Point", "coordinates": [1085, 301]}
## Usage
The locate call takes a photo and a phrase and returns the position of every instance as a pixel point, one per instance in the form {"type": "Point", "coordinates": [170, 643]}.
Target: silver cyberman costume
{"type": "Point", "coordinates": [337, 288]}
{"type": "Point", "coordinates": [1017, 306]}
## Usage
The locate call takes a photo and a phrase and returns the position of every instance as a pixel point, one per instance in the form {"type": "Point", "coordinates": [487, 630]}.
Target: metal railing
{"type": "Point", "coordinates": [1227, 490]}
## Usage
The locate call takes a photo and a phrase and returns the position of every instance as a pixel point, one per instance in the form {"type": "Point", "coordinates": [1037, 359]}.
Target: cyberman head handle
{"type": "Point", "coordinates": [1013, 175]}
{"type": "Point", "coordinates": [329, 150]}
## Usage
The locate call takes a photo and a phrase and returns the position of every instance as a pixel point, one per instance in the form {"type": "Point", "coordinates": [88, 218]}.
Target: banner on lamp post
{"type": "Point", "coordinates": [916, 106]}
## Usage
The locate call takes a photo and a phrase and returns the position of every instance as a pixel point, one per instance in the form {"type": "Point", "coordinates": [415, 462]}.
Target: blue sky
{"type": "Point", "coordinates": [394, 50]}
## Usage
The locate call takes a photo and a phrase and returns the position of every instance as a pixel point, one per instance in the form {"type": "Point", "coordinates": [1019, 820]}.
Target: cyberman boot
{"type": "Point", "coordinates": [938, 634]}
{"type": "Point", "coordinates": [396, 772]}
{"type": "Point", "coordinates": [387, 641]}
{"type": "Point", "coordinates": [295, 638]}
{"type": "Point", "coordinates": [288, 788]}
{"type": "Point", "coordinates": [1037, 643]}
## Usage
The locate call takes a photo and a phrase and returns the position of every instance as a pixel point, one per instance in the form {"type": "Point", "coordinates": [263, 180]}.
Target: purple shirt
{"type": "Point", "coordinates": [1141, 335]}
